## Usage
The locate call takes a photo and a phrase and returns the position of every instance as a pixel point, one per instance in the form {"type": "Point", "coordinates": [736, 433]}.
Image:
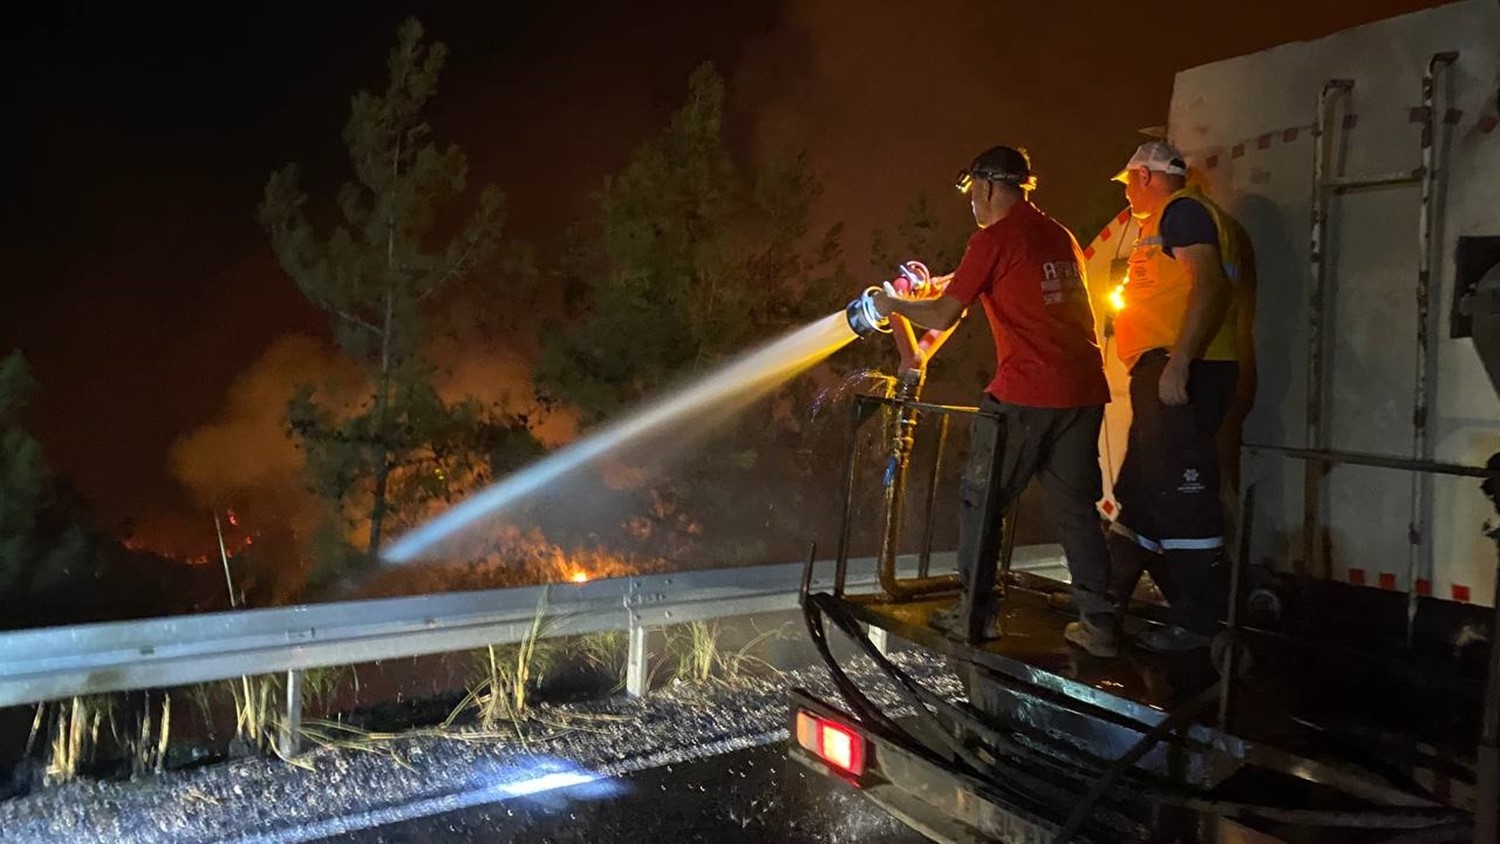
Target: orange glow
{"type": "Point", "coordinates": [579, 576]}
{"type": "Point", "coordinates": [1117, 298]}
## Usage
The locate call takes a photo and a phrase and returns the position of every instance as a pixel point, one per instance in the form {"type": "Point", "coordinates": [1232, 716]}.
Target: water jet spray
{"type": "Point", "coordinates": [691, 410]}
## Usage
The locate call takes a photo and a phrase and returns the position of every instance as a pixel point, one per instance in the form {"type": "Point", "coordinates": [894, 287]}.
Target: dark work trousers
{"type": "Point", "coordinates": [1171, 516]}
{"type": "Point", "coordinates": [1060, 447]}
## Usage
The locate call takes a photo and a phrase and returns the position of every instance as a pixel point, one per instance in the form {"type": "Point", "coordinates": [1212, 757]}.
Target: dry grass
{"type": "Point", "coordinates": [320, 686]}
{"type": "Point", "coordinates": [148, 746]}
{"type": "Point", "coordinates": [255, 716]}
{"type": "Point", "coordinates": [697, 650]}
{"type": "Point", "coordinates": [75, 734]}
{"type": "Point", "coordinates": [501, 689]}
{"type": "Point", "coordinates": [607, 651]}
{"type": "Point", "coordinates": [702, 656]}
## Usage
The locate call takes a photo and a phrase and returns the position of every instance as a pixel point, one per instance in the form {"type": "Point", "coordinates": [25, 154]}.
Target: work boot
{"type": "Point", "coordinates": [1097, 635]}
{"type": "Point", "coordinates": [950, 622]}
{"type": "Point", "coordinates": [1168, 639]}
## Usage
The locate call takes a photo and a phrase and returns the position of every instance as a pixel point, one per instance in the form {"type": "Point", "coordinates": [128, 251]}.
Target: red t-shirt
{"type": "Point", "coordinates": [1028, 270]}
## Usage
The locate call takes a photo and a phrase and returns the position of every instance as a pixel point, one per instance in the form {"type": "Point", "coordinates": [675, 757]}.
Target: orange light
{"type": "Point", "coordinates": [1117, 298]}
{"type": "Point", "coordinates": [579, 577]}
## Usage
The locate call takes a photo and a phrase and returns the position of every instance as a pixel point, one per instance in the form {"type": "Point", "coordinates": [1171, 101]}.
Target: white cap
{"type": "Point", "coordinates": [1159, 156]}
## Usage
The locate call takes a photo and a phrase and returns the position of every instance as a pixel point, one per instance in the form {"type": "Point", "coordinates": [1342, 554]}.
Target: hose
{"type": "Point", "coordinates": [858, 703]}
{"type": "Point", "coordinates": [920, 699]}
{"type": "Point", "coordinates": [1179, 716]}
{"type": "Point", "coordinates": [929, 705]}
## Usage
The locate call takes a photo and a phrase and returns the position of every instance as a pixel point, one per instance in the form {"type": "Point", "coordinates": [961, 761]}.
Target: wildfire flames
{"type": "Point", "coordinates": [193, 543]}
{"type": "Point", "coordinates": [513, 557]}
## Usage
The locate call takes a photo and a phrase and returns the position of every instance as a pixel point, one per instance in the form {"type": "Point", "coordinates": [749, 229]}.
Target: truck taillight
{"type": "Point", "coordinates": [832, 742]}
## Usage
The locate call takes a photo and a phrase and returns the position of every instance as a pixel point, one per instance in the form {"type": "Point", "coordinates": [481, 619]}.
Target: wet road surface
{"type": "Point", "coordinates": [755, 795]}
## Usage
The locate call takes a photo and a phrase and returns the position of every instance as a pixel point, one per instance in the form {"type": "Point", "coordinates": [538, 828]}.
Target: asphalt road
{"type": "Point", "coordinates": [755, 795]}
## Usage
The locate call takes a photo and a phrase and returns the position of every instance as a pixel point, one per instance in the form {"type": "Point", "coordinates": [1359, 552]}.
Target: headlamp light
{"type": "Point", "coordinates": [964, 182]}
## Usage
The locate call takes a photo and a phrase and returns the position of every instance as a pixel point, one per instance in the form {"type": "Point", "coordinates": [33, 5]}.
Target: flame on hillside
{"type": "Point", "coordinates": [513, 557]}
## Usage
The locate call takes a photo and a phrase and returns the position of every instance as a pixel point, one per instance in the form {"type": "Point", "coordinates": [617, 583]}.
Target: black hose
{"type": "Point", "coordinates": [920, 698]}
{"type": "Point", "coordinates": [938, 705]}
{"type": "Point", "coordinates": [862, 708]}
{"type": "Point", "coordinates": [1179, 716]}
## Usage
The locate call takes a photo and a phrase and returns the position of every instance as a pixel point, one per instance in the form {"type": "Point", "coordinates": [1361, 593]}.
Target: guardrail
{"type": "Point", "coordinates": [60, 662]}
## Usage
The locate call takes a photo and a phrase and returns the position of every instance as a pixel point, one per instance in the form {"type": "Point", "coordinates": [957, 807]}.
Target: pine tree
{"type": "Point", "coordinates": [694, 257]}
{"type": "Point", "coordinates": [24, 478]}
{"type": "Point", "coordinates": [43, 543]}
{"type": "Point", "coordinates": [690, 259]}
{"type": "Point", "coordinates": [378, 274]}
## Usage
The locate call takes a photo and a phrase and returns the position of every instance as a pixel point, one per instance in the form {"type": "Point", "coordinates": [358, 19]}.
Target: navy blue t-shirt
{"type": "Point", "coordinates": [1186, 223]}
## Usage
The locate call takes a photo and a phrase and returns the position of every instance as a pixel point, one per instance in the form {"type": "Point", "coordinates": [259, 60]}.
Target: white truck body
{"type": "Point", "coordinates": [1246, 126]}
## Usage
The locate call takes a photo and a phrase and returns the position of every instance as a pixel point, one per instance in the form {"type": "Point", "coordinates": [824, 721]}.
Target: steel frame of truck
{"type": "Point", "coordinates": [1053, 745]}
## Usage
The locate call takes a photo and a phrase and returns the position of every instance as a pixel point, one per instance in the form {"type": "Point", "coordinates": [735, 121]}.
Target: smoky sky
{"type": "Point", "coordinates": [140, 135]}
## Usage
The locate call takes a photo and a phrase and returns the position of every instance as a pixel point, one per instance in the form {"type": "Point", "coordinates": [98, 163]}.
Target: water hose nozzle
{"type": "Point", "coordinates": [864, 320]}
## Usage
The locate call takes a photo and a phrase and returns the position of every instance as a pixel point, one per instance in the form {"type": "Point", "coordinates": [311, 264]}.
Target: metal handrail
{"type": "Point", "coordinates": [905, 408]}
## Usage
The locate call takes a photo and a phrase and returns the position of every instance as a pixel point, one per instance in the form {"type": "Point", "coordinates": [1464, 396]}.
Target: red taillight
{"type": "Point", "coordinates": [832, 742]}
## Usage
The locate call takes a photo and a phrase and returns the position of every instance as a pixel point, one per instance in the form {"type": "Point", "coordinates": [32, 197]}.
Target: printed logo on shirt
{"type": "Point", "coordinates": [1190, 483]}
{"type": "Point", "coordinates": [1061, 281]}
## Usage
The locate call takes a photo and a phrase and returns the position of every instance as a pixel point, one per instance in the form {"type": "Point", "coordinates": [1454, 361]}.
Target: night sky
{"type": "Point", "coordinates": [139, 137]}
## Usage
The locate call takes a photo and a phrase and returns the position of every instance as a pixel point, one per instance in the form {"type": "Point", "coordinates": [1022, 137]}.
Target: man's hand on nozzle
{"type": "Point", "coordinates": [888, 299]}
{"type": "Point", "coordinates": [940, 312]}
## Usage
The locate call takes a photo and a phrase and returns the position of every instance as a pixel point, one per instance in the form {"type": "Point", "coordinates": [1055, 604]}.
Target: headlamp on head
{"type": "Point", "coordinates": [1005, 165]}
{"type": "Point", "coordinates": [965, 181]}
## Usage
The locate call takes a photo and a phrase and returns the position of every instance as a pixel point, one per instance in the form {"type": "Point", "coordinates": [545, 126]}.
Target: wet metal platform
{"type": "Point", "coordinates": [1328, 722]}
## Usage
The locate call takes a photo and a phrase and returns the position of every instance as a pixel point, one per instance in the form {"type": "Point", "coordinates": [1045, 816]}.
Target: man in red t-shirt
{"type": "Point", "coordinates": [1046, 402]}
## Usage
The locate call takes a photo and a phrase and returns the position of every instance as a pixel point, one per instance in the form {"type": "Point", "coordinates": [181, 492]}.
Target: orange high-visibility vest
{"type": "Point", "coordinates": [1156, 290]}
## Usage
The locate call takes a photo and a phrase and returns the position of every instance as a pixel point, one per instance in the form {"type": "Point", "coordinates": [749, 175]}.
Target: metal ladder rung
{"type": "Point", "coordinates": [1374, 180]}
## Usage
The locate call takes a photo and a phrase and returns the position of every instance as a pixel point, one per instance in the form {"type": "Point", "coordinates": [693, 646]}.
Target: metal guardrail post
{"type": "Point", "coordinates": [636, 655]}
{"type": "Point", "coordinates": [289, 741]}
{"type": "Point", "coordinates": [635, 664]}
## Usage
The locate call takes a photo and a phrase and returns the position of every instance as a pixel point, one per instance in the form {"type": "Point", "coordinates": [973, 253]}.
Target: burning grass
{"type": "Point", "coordinates": [517, 558]}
